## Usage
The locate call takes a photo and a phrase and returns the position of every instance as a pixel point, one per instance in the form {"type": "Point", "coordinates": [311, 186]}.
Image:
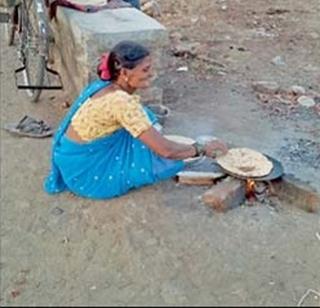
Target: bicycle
{"type": "Point", "coordinates": [29, 20]}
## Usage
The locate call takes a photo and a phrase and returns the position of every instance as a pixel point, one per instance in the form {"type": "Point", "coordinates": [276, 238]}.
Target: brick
{"type": "Point", "coordinates": [226, 195]}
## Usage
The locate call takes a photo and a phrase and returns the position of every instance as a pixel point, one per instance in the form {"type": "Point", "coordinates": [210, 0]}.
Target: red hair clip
{"type": "Point", "coordinates": [103, 67]}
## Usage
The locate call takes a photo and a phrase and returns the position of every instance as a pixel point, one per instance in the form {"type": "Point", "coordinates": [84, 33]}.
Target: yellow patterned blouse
{"type": "Point", "coordinates": [103, 115]}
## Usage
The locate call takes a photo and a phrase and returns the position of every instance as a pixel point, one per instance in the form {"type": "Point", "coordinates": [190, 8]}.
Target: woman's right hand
{"type": "Point", "coordinates": [215, 148]}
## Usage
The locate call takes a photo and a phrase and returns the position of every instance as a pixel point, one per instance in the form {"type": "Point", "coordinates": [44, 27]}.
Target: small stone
{"type": "Point", "coordinates": [66, 104]}
{"type": "Point", "coordinates": [278, 61]}
{"type": "Point", "coordinates": [221, 73]}
{"type": "Point", "coordinates": [273, 11]}
{"type": "Point", "coordinates": [317, 99]}
{"type": "Point", "coordinates": [194, 19]}
{"type": "Point", "coordinates": [266, 86]}
{"type": "Point", "coordinates": [241, 49]}
{"type": "Point", "coordinates": [182, 69]}
{"type": "Point", "coordinates": [151, 8]}
{"type": "Point", "coordinates": [65, 240]}
{"type": "Point", "coordinates": [186, 50]}
{"type": "Point", "coordinates": [263, 97]}
{"type": "Point", "coordinates": [57, 211]}
{"type": "Point", "coordinates": [306, 101]}
{"type": "Point", "coordinates": [15, 293]}
{"type": "Point", "coordinates": [298, 90]}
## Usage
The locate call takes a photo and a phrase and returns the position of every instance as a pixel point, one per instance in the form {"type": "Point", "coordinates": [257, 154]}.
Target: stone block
{"type": "Point", "coordinates": [80, 39]}
{"type": "Point", "coordinates": [296, 193]}
{"type": "Point", "coordinates": [269, 87]}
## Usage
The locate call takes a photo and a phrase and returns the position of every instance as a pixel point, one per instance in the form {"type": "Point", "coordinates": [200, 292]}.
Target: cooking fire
{"type": "Point", "coordinates": [256, 190]}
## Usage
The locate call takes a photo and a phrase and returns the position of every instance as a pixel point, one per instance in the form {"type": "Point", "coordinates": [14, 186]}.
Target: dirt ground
{"type": "Point", "coordinates": [160, 245]}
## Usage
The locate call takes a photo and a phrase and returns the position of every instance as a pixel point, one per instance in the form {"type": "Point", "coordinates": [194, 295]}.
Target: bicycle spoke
{"type": "Point", "coordinates": [30, 47]}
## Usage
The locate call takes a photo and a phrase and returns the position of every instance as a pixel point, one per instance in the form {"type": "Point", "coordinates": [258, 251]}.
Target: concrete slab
{"type": "Point", "coordinates": [82, 37]}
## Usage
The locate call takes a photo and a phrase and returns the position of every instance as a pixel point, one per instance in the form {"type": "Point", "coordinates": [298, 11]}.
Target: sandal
{"type": "Point", "coordinates": [30, 127]}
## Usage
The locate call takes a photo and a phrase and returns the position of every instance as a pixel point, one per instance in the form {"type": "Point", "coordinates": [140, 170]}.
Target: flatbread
{"type": "Point", "coordinates": [245, 162]}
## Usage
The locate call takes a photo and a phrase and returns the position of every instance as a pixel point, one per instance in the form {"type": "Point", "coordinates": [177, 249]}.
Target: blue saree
{"type": "Point", "coordinates": [108, 166]}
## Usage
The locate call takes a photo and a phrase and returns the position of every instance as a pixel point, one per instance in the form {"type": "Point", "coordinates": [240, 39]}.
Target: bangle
{"type": "Point", "coordinates": [199, 149]}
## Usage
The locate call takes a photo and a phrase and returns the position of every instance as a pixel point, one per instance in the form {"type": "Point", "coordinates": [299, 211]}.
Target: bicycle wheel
{"type": "Point", "coordinates": [33, 45]}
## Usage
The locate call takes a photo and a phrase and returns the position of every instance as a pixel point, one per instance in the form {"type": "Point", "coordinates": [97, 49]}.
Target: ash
{"type": "Point", "coordinates": [301, 150]}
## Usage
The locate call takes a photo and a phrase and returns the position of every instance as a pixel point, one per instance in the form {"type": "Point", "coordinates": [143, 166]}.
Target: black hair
{"type": "Point", "coordinates": [126, 54]}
